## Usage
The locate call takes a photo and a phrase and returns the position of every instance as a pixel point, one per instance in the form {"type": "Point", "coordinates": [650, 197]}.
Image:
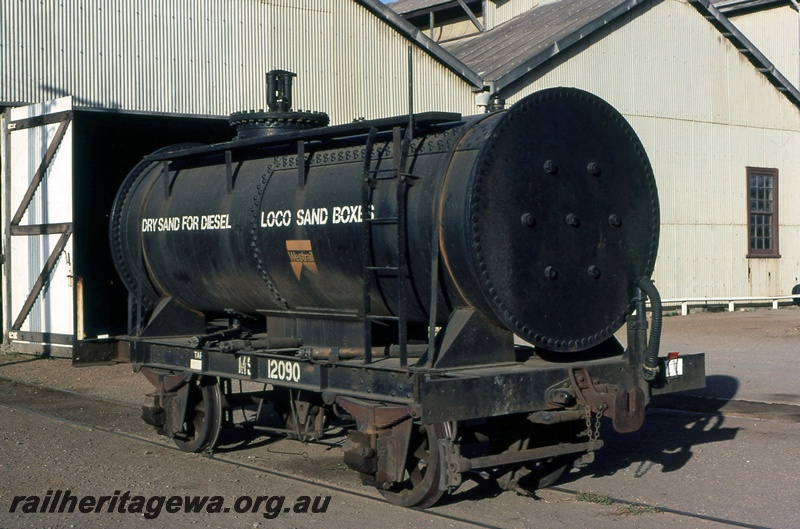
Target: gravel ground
{"type": "Point", "coordinates": [115, 382]}
{"type": "Point", "coordinates": [679, 461]}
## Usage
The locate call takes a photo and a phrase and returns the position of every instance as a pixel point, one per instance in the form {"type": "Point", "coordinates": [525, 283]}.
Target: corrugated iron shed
{"type": "Point", "coordinates": [773, 26]}
{"type": "Point", "coordinates": [748, 49]}
{"type": "Point", "coordinates": [186, 57]}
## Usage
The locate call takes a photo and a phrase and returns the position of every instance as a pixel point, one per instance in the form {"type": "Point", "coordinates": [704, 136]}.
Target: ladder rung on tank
{"type": "Point", "coordinates": [372, 177]}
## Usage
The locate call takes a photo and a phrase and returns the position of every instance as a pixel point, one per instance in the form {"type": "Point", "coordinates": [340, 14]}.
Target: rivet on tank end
{"type": "Point", "coordinates": [614, 220]}
{"type": "Point", "coordinates": [593, 169]}
{"type": "Point", "coordinates": [528, 220]}
{"type": "Point", "coordinates": [594, 271]}
{"type": "Point", "coordinates": [573, 220]}
{"type": "Point", "coordinates": [550, 167]}
{"type": "Point", "coordinates": [550, 272]}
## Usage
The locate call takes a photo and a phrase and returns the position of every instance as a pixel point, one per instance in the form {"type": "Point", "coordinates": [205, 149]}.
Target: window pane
{"type": "Point", "coordinates": [761, 199]}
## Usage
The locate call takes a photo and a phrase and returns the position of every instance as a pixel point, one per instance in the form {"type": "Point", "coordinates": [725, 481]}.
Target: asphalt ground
{"type": "Point", "coordinates": [751, 356]}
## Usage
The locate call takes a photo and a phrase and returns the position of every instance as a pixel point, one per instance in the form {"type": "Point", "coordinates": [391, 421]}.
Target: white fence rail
{"type": "Point", "coordinates": [685, 303]}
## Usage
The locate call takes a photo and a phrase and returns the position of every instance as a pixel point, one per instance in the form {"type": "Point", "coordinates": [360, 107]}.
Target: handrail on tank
{"type": "Point", "coordinates": [335, 132]}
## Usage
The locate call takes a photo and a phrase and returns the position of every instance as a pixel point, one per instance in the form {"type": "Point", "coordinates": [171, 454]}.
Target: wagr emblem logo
{"type": "Point", "coordinates": [301, 256]}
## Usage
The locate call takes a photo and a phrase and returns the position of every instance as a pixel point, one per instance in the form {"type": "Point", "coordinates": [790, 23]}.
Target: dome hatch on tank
{"type": "Point", "coordinates": [279, 117]}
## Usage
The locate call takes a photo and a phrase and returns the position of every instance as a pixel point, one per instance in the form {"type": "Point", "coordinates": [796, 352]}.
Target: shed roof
{"type": "Point", "coordinates": [409, 7]}
{"type": "Point", "coordinates": [508, 51]}
{"type": "Point", "coordinates": [736, 7]}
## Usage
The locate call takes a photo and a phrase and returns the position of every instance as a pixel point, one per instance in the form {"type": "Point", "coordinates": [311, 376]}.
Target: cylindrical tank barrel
{"type": "Point", "coordinates": [546, 216]}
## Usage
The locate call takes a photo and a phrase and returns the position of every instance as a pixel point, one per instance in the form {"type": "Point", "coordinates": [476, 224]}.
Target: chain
{"type": "Point", "coordinates": [594, 431]}
{"type": "Point", "coordinates": [588, 417]}
{"type": "Point", "coordinates": [597, 422]}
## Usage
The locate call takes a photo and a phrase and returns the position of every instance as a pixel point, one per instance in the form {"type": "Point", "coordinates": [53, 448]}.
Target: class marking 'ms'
{"type": "Point", "coordinates": [301, 256]}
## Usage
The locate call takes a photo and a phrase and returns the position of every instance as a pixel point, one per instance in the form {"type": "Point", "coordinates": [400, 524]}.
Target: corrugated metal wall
{"type": "Point", "coordinates": [209, 57]}
{"type": "Point", "coordinates": [703, 120]}
{"type": "Point", "coordinates": [500, 12]}
{"type": "Point", "coordinates": [776, 32]}
{"type": "Point", "coordinates": [704, 114]}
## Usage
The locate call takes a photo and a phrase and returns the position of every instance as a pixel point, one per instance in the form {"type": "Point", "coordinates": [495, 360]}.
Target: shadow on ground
{"type": "Point", "coordinates": [666, 441]}
{"type": "Point", "coordinates": [673, 428]}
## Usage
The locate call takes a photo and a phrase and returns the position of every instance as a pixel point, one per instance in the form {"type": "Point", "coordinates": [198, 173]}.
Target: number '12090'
{"type": "Point", "coordinates": [283, 370]}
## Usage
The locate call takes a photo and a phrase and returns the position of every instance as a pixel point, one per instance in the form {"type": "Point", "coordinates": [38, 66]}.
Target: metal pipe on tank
{"type": "Point", "coordinates": [279, 90]}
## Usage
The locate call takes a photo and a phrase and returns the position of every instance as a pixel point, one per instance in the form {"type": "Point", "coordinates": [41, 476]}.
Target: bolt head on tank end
{"type": "Point", "coordinates": [568, 159]}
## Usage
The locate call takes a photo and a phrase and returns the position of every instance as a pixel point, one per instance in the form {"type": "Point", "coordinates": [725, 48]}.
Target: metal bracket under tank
{"type": "Point", "coordinates": [170, 318]}
{"type": "Point", "coordinates": [468, 337]}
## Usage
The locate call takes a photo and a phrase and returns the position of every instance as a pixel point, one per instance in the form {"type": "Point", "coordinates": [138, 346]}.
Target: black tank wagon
{"type": "Point", "coordinates": [387, 273]}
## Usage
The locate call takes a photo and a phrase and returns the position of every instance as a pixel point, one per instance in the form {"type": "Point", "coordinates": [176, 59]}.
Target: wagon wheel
{"type": "Point", "coordinates": [203, 416]}
{"type": "Point", "coordinates": [420, 485]}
